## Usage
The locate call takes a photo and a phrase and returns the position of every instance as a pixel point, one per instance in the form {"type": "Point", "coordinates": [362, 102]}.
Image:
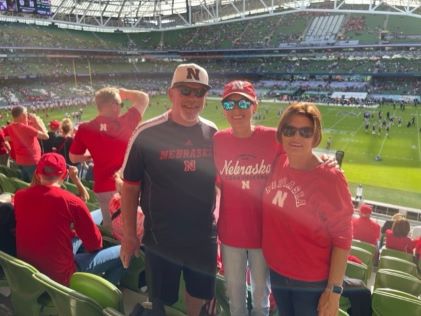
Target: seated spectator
{"type": "Point", "coordinates": [397, 237]}
{"type": "Point", "coordinates": [365, 228]}
{"type": "Point", "coordinates": [4, 149]}
{"type": "Point", "coordinates": [388, 225]}
{"type": "Point", "coordinates": [45, 214]}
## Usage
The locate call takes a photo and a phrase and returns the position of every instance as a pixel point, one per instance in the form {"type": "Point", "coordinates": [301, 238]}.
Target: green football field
{"type": "Point", "coordinates": [395, 179]}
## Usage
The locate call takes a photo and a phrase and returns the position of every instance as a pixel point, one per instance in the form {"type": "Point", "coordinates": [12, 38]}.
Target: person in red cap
{"type": "Point", "coordinates": [169, 165]}
{"type": "Point", "coordinates": [365, 228]}
{"type": "Point", "coordinates": [24, 132]}
{"type": "Point", "coordinates": [243, 157]}
{"type": "Point", "coordinates": [104, 140]}
{"type": "Point", "coordinates": [48, 218]}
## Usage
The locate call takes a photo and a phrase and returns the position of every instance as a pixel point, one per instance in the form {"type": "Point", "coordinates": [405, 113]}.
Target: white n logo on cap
{"type": "Point", "coordinates": [193, 73]}
{"type": "Point", "coordinates": [238, 85]}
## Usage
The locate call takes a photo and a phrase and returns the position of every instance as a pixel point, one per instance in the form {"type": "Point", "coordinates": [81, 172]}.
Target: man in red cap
{"type": "Point", "coordinates": [365, 228]}
{"type": "Point", "coordinates": [47, 218]}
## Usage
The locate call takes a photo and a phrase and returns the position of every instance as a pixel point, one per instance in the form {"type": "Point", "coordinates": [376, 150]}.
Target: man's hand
{"type": "Point", "coordinates": [328, 304]}
{"type": "Point", "coordinates": [130, 246]}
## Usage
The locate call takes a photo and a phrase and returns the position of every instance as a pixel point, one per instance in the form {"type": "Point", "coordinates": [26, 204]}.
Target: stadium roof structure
{"type": "Point", "coordinates": [147, 15]}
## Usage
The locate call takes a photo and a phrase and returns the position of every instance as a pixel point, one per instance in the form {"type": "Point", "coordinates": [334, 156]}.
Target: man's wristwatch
{"type": "Point", "coordinates": [334, 288]}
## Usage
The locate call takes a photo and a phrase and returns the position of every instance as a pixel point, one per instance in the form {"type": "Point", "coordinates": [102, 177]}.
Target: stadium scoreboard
{"type": "Point", "coordinates": [42, 7]}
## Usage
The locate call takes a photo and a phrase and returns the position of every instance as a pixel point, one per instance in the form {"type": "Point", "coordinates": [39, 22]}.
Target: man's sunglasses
{"type": "Point", "coordinates": [305, 132]}
{"type": "Point", "coordinates": [187, 91]}
{"type": "Point", "coordinates": [242, 104]}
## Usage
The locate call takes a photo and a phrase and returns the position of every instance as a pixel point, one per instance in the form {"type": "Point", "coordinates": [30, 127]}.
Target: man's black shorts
{"type": "Point", "coordinates": [164, 267]}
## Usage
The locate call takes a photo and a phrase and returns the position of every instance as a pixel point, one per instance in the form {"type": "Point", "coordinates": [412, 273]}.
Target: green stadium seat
{"type": "Point", "coordinates": [365, 256]}
{"type": "Point", "coordinates": [397, 280]}
{"type": "Point", "coordinates": [111, 312]}
{"type": "Point", "coordinates": [396, 253]}
{"type": "Point", "coordinates": [394, 263]}
{"type": "Point", "coordinates": [10, 172]}
{"type": "Point", "coordinates": [357, 271]}
{"type": "Point", "coordinates": [342, 313]}
{"type": "Point", "coordinates": [365, 245]}
{"type": "Point", "coordinates": [387, 302]}
{"type": "Point", "coordinates": [19, 183]}
{"type": "Point", "coordinates": [28, 297]}
{"type": "Point", "coordinates": [6, 185]}
{"type": "Point", "coordinates": [97, 288]}
{"type": "Point", "coordinates": [68, 302]}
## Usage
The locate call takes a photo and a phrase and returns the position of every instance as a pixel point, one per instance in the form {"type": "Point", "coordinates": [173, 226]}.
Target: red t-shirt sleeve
{"type": "Point", "coordinates": [131, 118]}
{"type": "Point", "coordinates": [85, 227]}
{"type": "Point", "coordinates": [338, 210]}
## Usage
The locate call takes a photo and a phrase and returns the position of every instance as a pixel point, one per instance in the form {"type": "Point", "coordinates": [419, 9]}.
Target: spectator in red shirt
{"type": "Point", "coordinates": [365, 228]}
{"type": "Point", "coordinates": [24, 132]}
{"type": "Point", "coordinates": [397, 237]}
{"type": "Point", "coordinates": [104, 140]}
{"type": "Point", "coordinates": [307, 215]}
{"type": "Point", "coordinates": [45, 214]}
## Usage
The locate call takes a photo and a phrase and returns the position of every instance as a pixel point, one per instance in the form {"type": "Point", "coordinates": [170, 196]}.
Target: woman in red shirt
{"type": "Point", "coordinates": [307, 212]}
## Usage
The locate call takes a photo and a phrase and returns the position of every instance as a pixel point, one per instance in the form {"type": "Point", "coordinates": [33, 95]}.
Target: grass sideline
{"type": "Point", "coordinates": [395, 179]}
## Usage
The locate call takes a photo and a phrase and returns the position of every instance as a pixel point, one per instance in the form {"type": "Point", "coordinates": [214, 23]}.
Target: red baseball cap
{"type": "Point", "coordinates": [52, 165]}
{"type": "Point", "coordinates": [240, 87]}
{"type": "Point", "coordinates": [366, 209]}
{"type": "Point", "coordinates": [54, 124]}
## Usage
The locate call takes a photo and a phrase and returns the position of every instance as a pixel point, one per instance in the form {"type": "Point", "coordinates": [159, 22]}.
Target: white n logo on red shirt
{"type": "Point", "coordinates": [279, 198]}
{"type": "Point", "coordinates": [245, 184]}
{"type": "Point", "coordinates": [102, 127]}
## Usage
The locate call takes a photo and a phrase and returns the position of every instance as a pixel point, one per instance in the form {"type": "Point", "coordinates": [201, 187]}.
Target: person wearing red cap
{"type": "Point", "coordinates": [45, 215]}
{"type": "Point", "coordinates": [169, 163]}
{"type": "Point", "coordinates": [24, 132]}
{"type": "Point", "coordinates": [365, 228]}
{"type": "Point", "coordinates": [243, 156]}
{"type": "Point", "coordinates": [104, 140]}
{"type": "Point", "coordinates": [307, 213]}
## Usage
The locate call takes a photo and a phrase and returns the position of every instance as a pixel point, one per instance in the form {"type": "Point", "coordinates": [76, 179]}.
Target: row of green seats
{"type": "Point", "coordinates": [35, 294]}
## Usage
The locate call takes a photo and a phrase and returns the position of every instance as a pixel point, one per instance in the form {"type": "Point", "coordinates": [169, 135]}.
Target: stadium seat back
{"type": "Point", "coordinates": [27, 296]}
{"type": "Point", "coordinates": [364, 255]}
{"type": "Point", "coordinates": [68, 302]}
{"type": "Point", "coordinates": [397, 280]}
{"type": "Point", "coordinates": [397, 254]}
{"type": "Point", "coordinates": [391, 303]}
{"type": "Point", "coordinates": [364, 245]}
{"type": "Point", "coordinates": [6, 185]}
{"type": "Point", "coordinates": [19, 183]}
{"type": "Point", "coordinates": [357, 271]}
{"type": "Point", "coordinates": [10, 172]}
{"type": "Point", "coordinates": [97, 288]}
{"type": "Point", "coordinates": [394, 263]}
{"type": "Point", "coordinates": [111, 312]}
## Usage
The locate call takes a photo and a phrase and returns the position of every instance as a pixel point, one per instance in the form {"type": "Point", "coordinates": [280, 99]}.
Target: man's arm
{"type": "Point", "coordinates": [138, 99]}
{"type": "Point", "coordinates": [80, 158]}
{"type": "Point", "coordinates": [36, 122]}
{"type": "Point", "coordinates": [130, 244]}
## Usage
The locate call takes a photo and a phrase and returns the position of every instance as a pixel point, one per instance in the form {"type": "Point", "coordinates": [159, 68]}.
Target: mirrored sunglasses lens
{"type": "Point", "coordinates": [228, 105]}
{"type": "Point", "coordinates": [244, 104]}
